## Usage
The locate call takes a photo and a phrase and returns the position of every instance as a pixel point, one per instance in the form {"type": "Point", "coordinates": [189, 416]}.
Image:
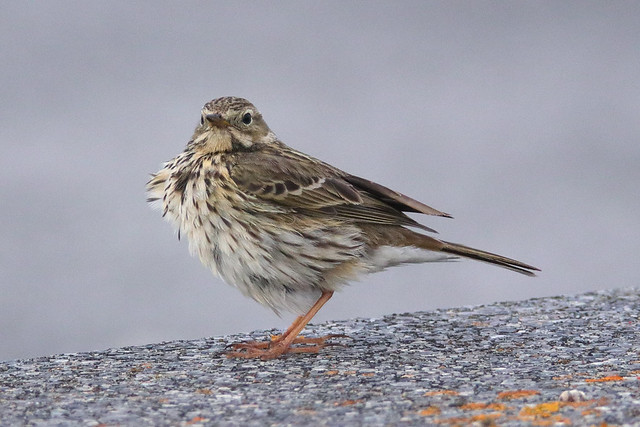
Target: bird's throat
{"type": "Point", "coordinates": [215, 141]}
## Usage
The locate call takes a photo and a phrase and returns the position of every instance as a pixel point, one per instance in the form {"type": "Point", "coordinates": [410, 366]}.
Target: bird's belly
{"type": "Point", "coordinates": [279, 266]}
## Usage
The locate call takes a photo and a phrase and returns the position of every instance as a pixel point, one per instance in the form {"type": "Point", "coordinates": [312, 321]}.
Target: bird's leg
{"type": "Point", "coordinates": [282, 344]}
{"type": "Point", "coordinates": [266, 344]}
{"type": "Point", "coordinates": [277, 338]}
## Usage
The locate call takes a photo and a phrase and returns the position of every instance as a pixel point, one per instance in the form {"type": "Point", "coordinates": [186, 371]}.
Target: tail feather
{"type": "Point", "coordinates": [499, 260]}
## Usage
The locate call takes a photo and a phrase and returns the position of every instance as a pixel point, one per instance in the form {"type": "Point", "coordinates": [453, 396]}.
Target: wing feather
{"type": "Point", "coordinates": [393, 198]}
{"type": "Point", "coordinates": [291, 179]}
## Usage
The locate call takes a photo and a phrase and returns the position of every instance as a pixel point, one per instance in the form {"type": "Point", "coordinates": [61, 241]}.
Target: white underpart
{"type": "Point", "coordinates": [390, 256]}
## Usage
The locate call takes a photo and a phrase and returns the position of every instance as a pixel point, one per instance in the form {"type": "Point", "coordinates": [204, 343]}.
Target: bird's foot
{"type": "Point", "coordinates": [266, 350]}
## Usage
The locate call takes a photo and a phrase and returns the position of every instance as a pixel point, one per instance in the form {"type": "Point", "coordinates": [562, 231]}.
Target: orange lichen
{"type": "Point", "coordinates": [553, 420]}
{"type": "Point", "coordinates": [591, 411]}
{"type": "Point", "coordinates": [563, 377]}
{"type": "Point", "coordinates": [543, 410]}
{"type": "Point", "coordinates": [474, 406]}
{"type": "Point", "coordinates": [431, 410]}
{"type": "Point", "coordinates": [516, 394]}
{"type": "Point", "coordinates": [485, 419]}
{"type": "Point", "coordinates": [605, 379]}
{"type": "Point", "coordinates": [543, 414]}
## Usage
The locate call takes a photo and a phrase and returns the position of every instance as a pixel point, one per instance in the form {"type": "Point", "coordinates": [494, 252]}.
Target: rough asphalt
{"type": "Point", "coordinates": [562, 360]}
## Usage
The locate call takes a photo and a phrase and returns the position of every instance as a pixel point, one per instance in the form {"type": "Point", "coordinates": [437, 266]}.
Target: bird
{"type": "Point", "coordinates": [285, 228]}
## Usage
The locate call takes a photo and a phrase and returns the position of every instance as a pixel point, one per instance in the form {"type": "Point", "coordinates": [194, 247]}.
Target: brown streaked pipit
{"type": "Point", "coordinates": [283, 227]}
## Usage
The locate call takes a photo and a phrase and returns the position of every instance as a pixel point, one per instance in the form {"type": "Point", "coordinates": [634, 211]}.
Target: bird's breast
{"type": "Point", "coordinates": [270, 255]}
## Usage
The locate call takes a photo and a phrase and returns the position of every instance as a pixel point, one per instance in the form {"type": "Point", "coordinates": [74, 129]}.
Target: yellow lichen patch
{"type": "Point", "coordinates": [368, 374]}
{"type": "Point", "coordinates": [544, 410]}
{"type": "Point", "coordinates": [332, 372]}
{"type": "Point", "coordinates": [543, 414]}
{"type": "Point", "coordinates": [204, 391]}
{"type": "Point", "coordinates": [474, 406]}
{"type": "Point", "coordinates": [431, 410]}
{"type": "Point", "coordinates": [516, 394]}
{"type": "Point", "coordinates": [604, 379]}
{"type": "Point", "coordinates": [442, 393]}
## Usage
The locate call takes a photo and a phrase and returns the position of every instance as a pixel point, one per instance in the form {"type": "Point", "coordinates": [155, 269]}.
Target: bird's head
{"type": "Point", "coordinates": [230, 124]}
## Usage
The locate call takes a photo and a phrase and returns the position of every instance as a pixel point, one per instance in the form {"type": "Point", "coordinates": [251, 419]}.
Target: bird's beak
{"type": "Point", "coordinates": [216, 120]}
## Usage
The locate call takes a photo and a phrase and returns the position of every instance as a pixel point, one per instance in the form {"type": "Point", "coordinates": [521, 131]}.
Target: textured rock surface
{"type": "Point", "coordinates": [506, 363]}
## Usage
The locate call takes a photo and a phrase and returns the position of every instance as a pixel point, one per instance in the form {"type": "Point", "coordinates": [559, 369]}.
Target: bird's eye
{"type": "Point", "coordinates": [246, 119]}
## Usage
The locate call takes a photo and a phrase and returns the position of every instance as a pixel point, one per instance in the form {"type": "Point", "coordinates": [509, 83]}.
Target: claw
{"type": "Point", "coordinates": [266, 350]}
{"type": "Point", "coordinates": [281, 344]}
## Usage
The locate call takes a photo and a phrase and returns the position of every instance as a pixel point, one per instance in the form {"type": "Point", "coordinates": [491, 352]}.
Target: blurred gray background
{"type": "Point", "coordinates": [521, 119]}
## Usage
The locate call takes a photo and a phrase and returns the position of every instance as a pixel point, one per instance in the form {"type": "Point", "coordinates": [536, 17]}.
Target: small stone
{"type": "Point", "coordinates": [572, 396]}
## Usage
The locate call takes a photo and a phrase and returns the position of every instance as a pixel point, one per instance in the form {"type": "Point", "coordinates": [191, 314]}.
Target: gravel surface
{"type": "Point", "coordinates": [572, 360]}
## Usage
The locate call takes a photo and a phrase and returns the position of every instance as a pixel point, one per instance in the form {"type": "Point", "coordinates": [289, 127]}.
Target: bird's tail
{"type": "Point", "coordinates": [499, 260]}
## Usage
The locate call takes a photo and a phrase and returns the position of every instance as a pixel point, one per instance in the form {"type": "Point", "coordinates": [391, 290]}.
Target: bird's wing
{"type": "Point", "coordinates": [291, 179]}
{"type": "Point", "coordinates": [393, 198]}
{"type": "Point", "coordinates": [291, 182]}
